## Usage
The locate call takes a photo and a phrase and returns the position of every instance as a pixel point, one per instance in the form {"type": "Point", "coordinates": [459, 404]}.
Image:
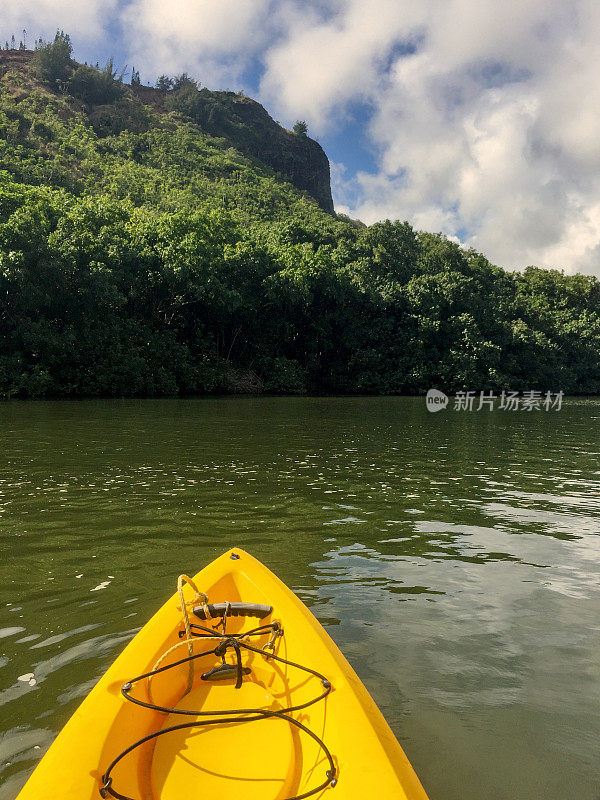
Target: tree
{"type": "Point", "coordinates": [96, 87]}
{"type": "Point", "coordinates": [300, 128]}
{"type": "Point", "coordinates": [52, 60]}
{"type": "Point", "coordinates": [187, 100]}
{"type": "Point", "coordinates": [392, 250]}
{"type": "Point", "coordinates": [135, 77]}
{"type": "Point", "coordinates": [183, 81]}
{"type": "Point", "coordinates": [164, 83]}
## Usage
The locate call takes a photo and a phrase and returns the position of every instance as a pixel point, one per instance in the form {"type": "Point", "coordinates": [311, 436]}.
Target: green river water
{"type": "Point", "coordinates": [454, 558]}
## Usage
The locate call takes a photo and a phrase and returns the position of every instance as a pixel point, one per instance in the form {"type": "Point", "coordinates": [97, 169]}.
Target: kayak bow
{"type": "Point", "coordinates": [236, 693]}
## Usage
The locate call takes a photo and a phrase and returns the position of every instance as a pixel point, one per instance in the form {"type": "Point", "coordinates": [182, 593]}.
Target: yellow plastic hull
{"type": "Point", "coordinates": [263, 760]}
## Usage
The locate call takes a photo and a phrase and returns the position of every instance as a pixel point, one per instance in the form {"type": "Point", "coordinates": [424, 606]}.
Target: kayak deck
{"type": "Point", "coordinates": [268, 758]}
{"type": "Point", "coordinates": [255, 763]}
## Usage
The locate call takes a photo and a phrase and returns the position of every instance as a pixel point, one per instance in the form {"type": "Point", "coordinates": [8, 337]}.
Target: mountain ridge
{"type": "Point", "coordinates": [300, 160]}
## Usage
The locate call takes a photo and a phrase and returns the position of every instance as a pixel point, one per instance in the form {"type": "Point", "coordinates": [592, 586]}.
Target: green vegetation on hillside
{"type": "Point", "coordinates": [142, 256]}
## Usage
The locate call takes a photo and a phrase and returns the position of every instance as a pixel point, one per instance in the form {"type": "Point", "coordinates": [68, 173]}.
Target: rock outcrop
{"type": "Point", "coordinates": [245, 124]}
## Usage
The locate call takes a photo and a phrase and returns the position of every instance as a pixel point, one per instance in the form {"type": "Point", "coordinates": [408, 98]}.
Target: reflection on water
{"type": "Point", "coordinates": [453, 557]}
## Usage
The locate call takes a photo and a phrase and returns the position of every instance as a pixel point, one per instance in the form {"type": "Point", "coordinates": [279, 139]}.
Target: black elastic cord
{"type": "Point", "coordinates": [210, 632]}
{"type": "Point", "coordinates": [233, 641]}
{"type": "Point", "coordinates": [220, 651]}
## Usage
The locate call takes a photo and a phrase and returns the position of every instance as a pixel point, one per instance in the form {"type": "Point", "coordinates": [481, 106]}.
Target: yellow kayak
{"type": "Point", "coordinates": [231, 690]}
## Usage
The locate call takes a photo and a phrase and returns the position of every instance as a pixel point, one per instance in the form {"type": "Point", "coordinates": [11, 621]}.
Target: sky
{"type": "Point", "coordinates": [476, 118]}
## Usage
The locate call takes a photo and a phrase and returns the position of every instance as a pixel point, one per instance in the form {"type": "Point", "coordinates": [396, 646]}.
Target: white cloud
{"type": "Point", "coordinates": [212, 40]}
{"type": "Point", "coordinates": [83, 19]}
{"type": "Point", "coordinates": [490, 126]}
{"type": "Point", "coordinates": [323, 63]}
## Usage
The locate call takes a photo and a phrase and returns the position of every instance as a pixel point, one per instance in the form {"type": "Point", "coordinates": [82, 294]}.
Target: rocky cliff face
{"type": "Point", "coordinates": [251, 130]}
{"type": "Point", "coordinates": [301, 160]}
{"type": "Point", "coordinates": [246, 125]}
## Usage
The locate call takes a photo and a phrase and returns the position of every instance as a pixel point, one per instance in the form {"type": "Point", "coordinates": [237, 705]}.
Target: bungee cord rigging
{"type": "Point", "coordinates": [236, 644]}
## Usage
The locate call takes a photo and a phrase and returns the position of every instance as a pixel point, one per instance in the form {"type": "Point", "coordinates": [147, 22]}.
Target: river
{"type": "Point", "coordinates": [454, 558]}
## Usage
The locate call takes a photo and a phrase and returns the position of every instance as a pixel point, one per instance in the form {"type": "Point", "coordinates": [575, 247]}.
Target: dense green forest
{"type": "Point", "coordinates": [142, 254]}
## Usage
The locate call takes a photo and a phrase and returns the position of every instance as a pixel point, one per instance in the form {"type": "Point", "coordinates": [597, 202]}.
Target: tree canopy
{"type": "Point", "coordinates": [300, 128]}
{"type": "Point", "coordinates": [52, 61]}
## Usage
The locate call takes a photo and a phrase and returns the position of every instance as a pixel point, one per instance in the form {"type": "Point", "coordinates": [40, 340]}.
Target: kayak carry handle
{"type": "Point", "coordinates": [234, 610]}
